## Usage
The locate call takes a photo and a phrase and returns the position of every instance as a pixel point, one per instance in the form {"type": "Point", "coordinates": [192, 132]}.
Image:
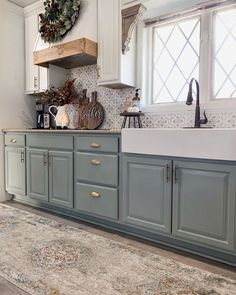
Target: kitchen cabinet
{"type": "Point", "coordinates": [15, 170]}
{"type": "Point", "coordinates": [37, 174]}
{"type": "Point", "coordinates": [38, 79]}
{"type": "Point", "coordinates": [203, 199]}
{"type": "Point", "coordinates": [96, 175]}
{"type": "Point", "coordinates": [185, 203]}
{"type": "Point", "coordinates": [50, 169]}
{"type": "Point", "coordinates": [146, 193]}
{"type": "Point", "coordinates": [204, 203]}
{"type": "Point", "coordinates": [115, 70]}
{"type": "Point", "coordinates": [33, 72]}
{"type": "Point", "coordinates": [61, 178]}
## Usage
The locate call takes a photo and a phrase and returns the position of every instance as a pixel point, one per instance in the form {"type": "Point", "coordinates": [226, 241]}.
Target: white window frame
{"type": "Point", "coordinates": [206, 67]}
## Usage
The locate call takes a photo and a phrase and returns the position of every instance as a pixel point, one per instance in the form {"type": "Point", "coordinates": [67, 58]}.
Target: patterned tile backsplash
{"type": "Point", "coordinates": [113, 101]}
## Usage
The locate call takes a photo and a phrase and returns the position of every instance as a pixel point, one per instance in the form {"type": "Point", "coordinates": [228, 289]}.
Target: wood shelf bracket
{"type": "Point", "coordinates": [130, 18]}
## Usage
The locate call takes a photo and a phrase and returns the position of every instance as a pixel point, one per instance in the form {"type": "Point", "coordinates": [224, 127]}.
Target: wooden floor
{"type": "Point", "coordinates": [7, 288]}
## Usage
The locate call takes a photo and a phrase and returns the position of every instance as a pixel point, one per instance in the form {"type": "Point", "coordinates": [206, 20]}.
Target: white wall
{"type": "Point", "coordinates": [85, 26]}
{"type": "Point", "coordinates": [16, 109]}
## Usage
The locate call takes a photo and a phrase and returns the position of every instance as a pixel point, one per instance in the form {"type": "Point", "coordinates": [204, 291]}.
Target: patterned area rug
{"type": "Point", "coordinates": [44, 257]}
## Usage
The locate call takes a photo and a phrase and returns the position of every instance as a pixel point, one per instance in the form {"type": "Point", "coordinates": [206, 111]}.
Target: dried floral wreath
{"type": "Point", "coordinates": [58, 18]}
{"type": "Point", "coordinates": [58, 96]}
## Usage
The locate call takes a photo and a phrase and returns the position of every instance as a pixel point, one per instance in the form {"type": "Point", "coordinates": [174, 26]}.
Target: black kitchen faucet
{"type": "Point", "coordinates": [198, 120]}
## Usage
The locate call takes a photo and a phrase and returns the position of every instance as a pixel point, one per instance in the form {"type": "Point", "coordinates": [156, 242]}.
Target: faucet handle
{"type": "Point", "coordinates": [205, 120]}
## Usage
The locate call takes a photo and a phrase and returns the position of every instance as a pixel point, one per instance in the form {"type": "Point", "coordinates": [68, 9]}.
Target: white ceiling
{"type": "Point", "coordinates": [23, 3]}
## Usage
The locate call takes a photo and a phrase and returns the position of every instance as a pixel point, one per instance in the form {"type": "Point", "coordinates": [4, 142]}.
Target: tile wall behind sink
{"type": "Point", "coordinates": [112, 101]}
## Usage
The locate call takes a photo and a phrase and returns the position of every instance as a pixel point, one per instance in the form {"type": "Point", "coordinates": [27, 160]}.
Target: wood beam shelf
{"type": "Point", "coordinates": [77, 53]}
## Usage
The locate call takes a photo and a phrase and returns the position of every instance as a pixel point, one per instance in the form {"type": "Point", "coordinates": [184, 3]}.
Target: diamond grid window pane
{"type": "Point", "coordinates": [175, 59]}
{"type": "Point", "coordinates": [225, 57]}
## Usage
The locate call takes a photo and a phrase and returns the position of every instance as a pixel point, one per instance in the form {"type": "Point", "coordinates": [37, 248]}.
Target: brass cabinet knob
{"type": "Point", "coordinates": [95, 162]}
{"type": "Point", "coordinates": [13, 140]}
{"type": "Point", "coordinates": [95, 145]}
{"type": "Point", "coordinates": [95, 195]}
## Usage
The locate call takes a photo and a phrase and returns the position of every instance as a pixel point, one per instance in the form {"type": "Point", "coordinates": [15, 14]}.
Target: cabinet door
{"type": "Point", "coordinates": [204, 203]}
{"type": "Point", "coordinates": [109, 41]}
{"type": "Point", "coordinates": [147, 193]}
{"type": "Point", "coordinates": [37, 174]}
{"type": "Point", "coordinates": [15, 170]}
{"type": "Point", "coordinates": [61, 178]}
{"type": "Point", "coordinates": [32, 71]}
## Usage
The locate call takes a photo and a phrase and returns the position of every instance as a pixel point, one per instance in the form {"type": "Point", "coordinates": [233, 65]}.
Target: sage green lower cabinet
{"type": "Point", "coordinates": [97, 200]}
{"type": "Point", "coordinates": [96, 175]}
{"type": "Point", "coordinates": [146, 190]}
{"type": "Point", "coordinates": [192, 200]}
{"type": "Point", "coordinates": [98, 168]}
{"type": "Point", "coordinates": [61, 178]}
{"type": "Point", "coordinates": [204, 203]}
{"type": "Point", "coordinates": [37, 174]}
{"type": "Point", "coordinates": [185, 203]}
{"type": "Point", "coordinates": [15, 170]}
{"type": "Point", "coordinates": [50, 176]}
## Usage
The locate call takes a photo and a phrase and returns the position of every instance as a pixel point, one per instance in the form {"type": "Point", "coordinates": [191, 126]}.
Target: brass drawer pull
{"type": "Point", "coordinates": [95, 162]}
{"type": "Point", "coordinates": [22, 156]}
{"type": "Point", "coordinates": [95, 195]}
{"type": "Point", "coordinates": [95, 145]}
{"type": "Point", "coordinates": [45, 159]}
{"type": "Point", "coordinates": [13, 140]}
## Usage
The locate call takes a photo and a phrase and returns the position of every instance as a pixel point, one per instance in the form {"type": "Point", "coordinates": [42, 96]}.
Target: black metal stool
{"type": "Point", "coordinates": [134, 116]}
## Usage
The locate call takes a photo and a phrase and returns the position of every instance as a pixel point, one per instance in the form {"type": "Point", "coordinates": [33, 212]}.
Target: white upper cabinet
{"type": "Point", "coordinates": [115, 70]}
{"type": "Point", "coordinates": [32, 71]}
{"type": "Point", "coordinates": [38, 79]}
{"type": "Point", "coordinates": [109, 41]}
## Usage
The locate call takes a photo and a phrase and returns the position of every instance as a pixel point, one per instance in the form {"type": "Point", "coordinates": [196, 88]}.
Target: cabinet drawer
{"type": "Point", "coordinates": [13, 139]}
{"type": "Point", "coordinates": [97, 168]}
{"type": "Point", "coordinates": [97, 143]}
{"type": "Point", "coordinates": [50, 141]}
{"type": "Point", "coordinates": [97, 200]}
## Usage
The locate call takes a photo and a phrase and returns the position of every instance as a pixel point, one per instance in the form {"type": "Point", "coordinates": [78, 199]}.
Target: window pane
{"type": "Point", "coordinates": [225, 54]}
{"type": "Point", "coordinates": [175, 59]}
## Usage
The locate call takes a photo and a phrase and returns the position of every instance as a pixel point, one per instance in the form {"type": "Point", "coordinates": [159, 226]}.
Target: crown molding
{"type": "Point", "coordinates": [11, 7]}
{"type": "Point", "coordinates": [34, 8]}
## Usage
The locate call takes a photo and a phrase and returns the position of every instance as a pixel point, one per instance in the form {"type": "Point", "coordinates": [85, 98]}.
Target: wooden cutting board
{"type": "Point", "coordinates": [91, 114]}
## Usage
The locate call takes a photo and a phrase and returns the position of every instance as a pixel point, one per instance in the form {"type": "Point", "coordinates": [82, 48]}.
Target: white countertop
{"type": "Point", "coordinates": [68, 131]}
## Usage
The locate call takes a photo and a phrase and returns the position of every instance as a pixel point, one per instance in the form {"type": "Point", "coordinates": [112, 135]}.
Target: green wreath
{"type": "Point", "coordinates": [58, 18]}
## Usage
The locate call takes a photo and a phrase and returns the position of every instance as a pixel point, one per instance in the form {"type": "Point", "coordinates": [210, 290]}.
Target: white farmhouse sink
{"type": "Point", "coordinates": [217, 144]}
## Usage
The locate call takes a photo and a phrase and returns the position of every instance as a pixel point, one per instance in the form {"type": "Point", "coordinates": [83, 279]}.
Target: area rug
{"type": "Point", "coordinates": [44, 257]}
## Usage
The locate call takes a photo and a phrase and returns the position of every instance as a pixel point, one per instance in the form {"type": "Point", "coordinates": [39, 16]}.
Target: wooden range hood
{"type": "Point", "coordinates": [77, 53]}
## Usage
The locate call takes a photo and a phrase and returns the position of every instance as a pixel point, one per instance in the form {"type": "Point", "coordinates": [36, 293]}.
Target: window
{"type": "Point", "coordinates": [175, 59]}
{"type": "Point", "coordinates": [200, 45]}
{"type": "Point", "coordinates": [225, 54]}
